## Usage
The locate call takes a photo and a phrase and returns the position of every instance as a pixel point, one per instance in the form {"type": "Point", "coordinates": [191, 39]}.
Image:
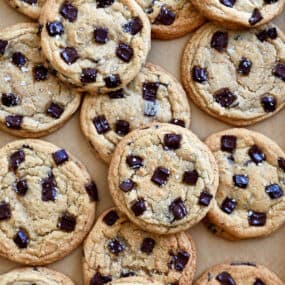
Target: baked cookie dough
{"type": "Point", "coordinates": [47, 202]}
{"type": "Point", "coordinates": [250, 198]}
{"type": "Point", "coordinates": [33, 102]}
{"type": "Point", "coordinates": [134, 281]}
{"type": "Point", "coordinates": [163, 178]}
{"type": "Point", "coordinates": [97, 46]}
{"type": "Point", "coordinates": [116, 248]}
{"type": "Point", "coordinates": [35, 276]}
{"type": "Point", "coordinates": [236, 76]}
{"type": "Point", "coordinates": [154, 95]}
{"type": "Point", "coordinates": [30, 8]}
{"type": "Point", "coordinates": [240, 13]}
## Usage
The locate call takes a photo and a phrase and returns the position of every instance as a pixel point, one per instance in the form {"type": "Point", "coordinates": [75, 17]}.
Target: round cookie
{"type": "Point", "coordinates": [250, 198]}
{"type": "Point", "coordinates": [36, 275]}
{"type": "Point", "coordinates": [238, 273]}
{"type": "Point", "coordinates": [171, 19]}
{"type": "Point", "coordinates": [163, 178]}
{"type": "Point", "coordinates": [236, 76]}
{"type": "Point", "coordinates": [154, 95]}
{"type": "Point", "coordinates": [134, 281]}
{"type": "Point", "coordinates": [47, 202]}
{"type": "Point", "coordinates": [240, 13]}
{"type": "Point", "coordinates": [33, 102]}
{"type": "Point", "coordinates": [30, 8]}
{"type": "Point", "coordinates": [116, 248]}
{"type": "Point", "coordinates": [96, 46]}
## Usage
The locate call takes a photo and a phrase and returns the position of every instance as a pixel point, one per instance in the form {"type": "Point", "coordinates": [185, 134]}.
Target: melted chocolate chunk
{"type": "Point", "coordinates": [178, 209]}
{"type": "Point", "coordinates": [228, 3]}
{"type": "Point", "coordinates": [199, 74]}
{"type": "Point", "coordinates": [118, 94]}
{"type": "Point", "coordinates": [148, 245]}
{"type": "Point", "coordinates": [240, 181]}
{"type": "Point", "coordinates": [111, 218]}
{"type": "Point", "coordinates": [88, 75]}
{"type": "Point", "coordinates": [16, 159]}
{"type": "Point", "coordinates": [9, 99]}
{"type": "Point", "coordinates": [134, 161]}
{"type": "Point", "coordinates": [150, 90]}
{"type": "Point", "coordinates": [54, 110]}
{"type": "Point", "coordinates": [115, 246]}
{"type": "Point", "coordinates": [19, 59]}
{"type": "Point", "coordinates": [228, 143]}
{"type": "Point", "coordinates": [268, 103]}
{"type": "Point", "coordinates": [279, 70]}
{"type": "Point", "coordinates": [256, 219]}
{"type": "Point", "coordinates": [225, 279]}
{"type": "Point", "coordinates": [139, 207]}
{"type": "Point", "coordinates": [55, 28]}
{"type": "Point", "coordinates": [160, 176]}
{"type": "Point", "coordinates": [49, 188]}
{"type": "Point", "coordinates": [133, 26]}
{"type": "Point", "coordinates": [281, 163]}
{"type": "Point", "coordinates": [21, 187]}
{"type": "Point", "coordinates": [101, 35]}
{"type": "Point", "coordinates": [3, 45]}
{"type": "Point", "coordinates": [5, 211]}
{"type": "Point", "coordinates": [225, 97]}
{"type": "Point", "coordinates": [190, 177]}
{"type": "Point", "coordinates": [60, 156]}
{"type": "Point", "coordinates": [258, 282]}
{"type": "Point", "coordinates": [14, 121]}
{"type": "Point", "coordinates": [178, 122]}
{"type": "Point", "coordinates": [179, 260]}
{"type": "Point", "coordinates": [68, 11]}
{"type": "Point", "coordinates": [165, 17]}
{"type": "Point", "coordinates": [127, 185]}
{"type": "Point", "coordinates": [67, 223]}
{"type": "Point", "coordinates": [101, 124]}
{"type": "Point", "coordinates": [244, 66]}
{"type": "Point", "coordinates": [228, 205]}
{"type": "Point", "coordinates": [99, 279]}
{"type": "Point", "coordinates": [69, 55]}
{"type": "Point", "coordinates": [122, 127]}
{"type": "Point", "coordinates": [92, 191]}
{"type": "Point", "coordinates": [172, 141]}
{"type": "Point", "coordinates": [124, 52]}
{"type": "Point", "coordinates": [205, 198]}
{"type": "Point", "coordinates": [21, 239]}
{"type": "Point", "coordinates": [40, 73]}
{"type": "Point", "coordinates": [112, 81]}
{"type": "Point", "coordinates": [274, 191]}
{"type": "Point", "coordinates": [104, 3]}
{"type": "Point", "coordinates": [256, 17]}
{"type": "Point", "coordinates": [256, 154]}
{"type": "Point", "coordinates": [219, 41]}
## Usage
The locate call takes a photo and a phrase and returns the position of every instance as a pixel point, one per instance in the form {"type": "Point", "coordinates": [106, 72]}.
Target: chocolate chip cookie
{"type": "Point", "coordinates": [240, 13]}
{"type": "Point", "coordinates": [134, 281]}
{"type": "Point", "coordinates": [34, 276]}
{"type": "Point", "coordinates": [33, 102]}
{"type": "Point", "coordinates": [96, 46]}
{"type": "Point", "coordinates": [154, 95]}
{"type": "Point", "coordinates": [238, 273]}
{"type": "Point", "coordinates": [171, 19]}
{"type": "Point", "coordinates": [163, 178]}
{"type": "Point", "coordinates": [236, 76]}
{"type": "Point", "coordinates": [30, 8]}
{"type": "Point", "coordinates": [47, 202]}
{"type": "Point", "coordinates": [250, 199]}
{"type": "Point", "coordinates": [116, 248]}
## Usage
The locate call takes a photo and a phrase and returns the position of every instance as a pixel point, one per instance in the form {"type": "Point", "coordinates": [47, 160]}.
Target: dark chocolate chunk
{"type": "Point", "coordinates": [21, 187]}
{"type": "Point", "coordinates": [262, 35]}
{"type": "Point", "coordinates": [101, 124]}
{"type": "Point", "coordinates": [205, 198]}
{"type": "Point", "coordinates": [225, 279]}
{"type": "Point", "coordinates": [115, 246]}
{"type": "Point", "coordinates": [225, 97]}
{"type": "Point", "coordinates": [258, 282]}
{"type": "Point", "coordinates": [241, 180]}
{"type": "Point", "coordinates": [104, 3]}
{"type": "Point", "coordinates": [219, 41]}
{"type": "Point", "coordinates": [67, 222]}
{"type": "Point", "coordinates": [256, 17]}
{"type": "Point", "coordinates": [55, 28]}
{"type": "Point", "coordinates": [31, 2]}
{"type": "Point", "coordinates": [60, 156]}
{"type": "Point", "coordinates": [3, 45]}
{"type": "Point", "coordinates": [124, 52]}
{"type": "Point", "coordinates": [148, 245]}
{"type": "Point", "coordinates": [199, 74]}
{"type": "Point", "coordinates": [14, 121]}
{"type": "Point", "coordinates": [139, 207]}
{"type": "Point", "coordinates": [228, 205]}
{"type": "Point", "coordinates": [112, 81]}
{"type": "Point", "coordinates": [256, 219]}
{"type": "Point", "coordinates": [160, 176]}
{"type": "Point", "coordinates": [49, 188]}
{"type": "Point", "coordinates": [178, 209]}
{"type": "Point", "coordinates": [178, 122]}
{"type": "Point", "coordinates": [268, 103]}
{"type": "Point", "coordinates": [16, 159]}
{"type": "Point", "coordinates": [272, 33]}
{"type": "Point", "coordinates": [21, 239]}
{"type": "Point", "coordinates": [88, 75]}
{"type": "Point", "coordinates": [101, 35]}
{"type": "Point", "coordinates": [69, 55]}
{"type": "Point", "coordinates": [228, 3]}
{"type": "Point", "coordinates": [190, 177]}
{"type": "Point", "coordinates": [99, 279]}
{"type": "Point", "coordinates": [172, 141]}
{"type": "Point", "coordinates": [122, 127]}
{"type": "Point", "coordinates": [68, 11]}
{"type": "Point", "coordinates": [150, 91]}
{"type": "Point", "coordinates": [281, 163]}
{"type": "Point", "coordinates": [19, 59]}
{"type": "Point", "coordinates": [127, 185]}
{"type": "Point", "coordinates": [92, 191]}
{"type": "Point", "coordinates": [111, 218]}
{"type": "Point", "coordinates": [134, 161]}
{"type": "Point", "coordinates": [244, 66]}
{"type": "Point", "coordinates": [256, 154]}
{"type": "Point", "coordinates": [118, 94]}
{"type": "Point", "coordinates": [133, 26]}
{"type": "Point", "coordinates": [274, 191]}
{"type": "Point", "coordinates": [40, 73]}
{"type": "Point", "coordinates": [279, 70]}
{"type": "Point", "coordinates": [5, 211]}
{"type": "Point", "coordinates": [127, 274]}
{"type": "Point", "coordinates": [10, 99]}
{"type": "Point", "coordinates": [228, 143]}
{"type": "Point", "coordinates": [179, 260]}
{"type": "Point", "coordinates": [54, 110]}
{"type": "Point", "coordinates": [165, 17]}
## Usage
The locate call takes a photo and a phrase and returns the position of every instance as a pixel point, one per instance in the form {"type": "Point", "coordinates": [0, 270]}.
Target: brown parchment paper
{"type": "Point", "coordinates": [211, 249]}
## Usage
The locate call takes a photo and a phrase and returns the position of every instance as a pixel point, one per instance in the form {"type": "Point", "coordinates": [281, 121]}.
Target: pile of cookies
{"type": "Point", "coordinates": [163, 179]}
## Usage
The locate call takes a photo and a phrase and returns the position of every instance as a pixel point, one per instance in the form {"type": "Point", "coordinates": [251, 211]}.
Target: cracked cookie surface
{"type": "Point", "coordinates": [154, 95]}
{"type": "Point", "coordinates": [47, 202]}
{"type": "Point", "coordinates": [238, 273]}
{"type": "Point", "coordinates": [35, 276]}
{"type": "Point", "coordinates": [171, 18]}
{"type": "Point", "coordinates": [33, 102]}
{"type": "Point", "coordinates": [240, 13]}
{"type": "Point", "coordinates": [98, 46]}
{"type": "Point", "coordinates": [30, 8]}
{"type": "Point", "coordinates": [163, 178]}
{"type": "Point", "coordinates": [116, 248]}
{"type": "Point", "coordinates": [250, 199]}
{"type": "Point", "coordinates": [236, 76]}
